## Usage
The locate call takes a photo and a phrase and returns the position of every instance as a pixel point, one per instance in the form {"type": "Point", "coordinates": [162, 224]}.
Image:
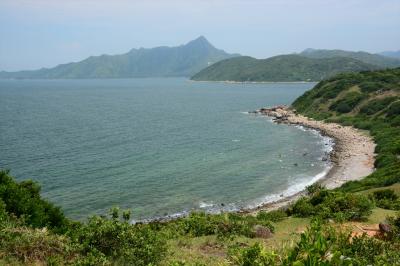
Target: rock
{"type": "Point", "coordinates": [262, 231]}
{"type": "Point", "coordinates": [384, 228]}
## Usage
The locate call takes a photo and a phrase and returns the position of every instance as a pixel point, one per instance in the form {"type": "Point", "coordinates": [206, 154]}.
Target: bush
{"type": "Point", "coordinates": [120, 241]}
{"type": "Point", "coordinates": [273, 216]}
{"type": "Point", "coordinates": [222, 225]}
{"type": "Point", "coordinates": [23, 200]}
{"type": "Point", "coordinates": [388, 194]}
{"type": "Point", "coordinates": [330, 204]}
{"type": "Point", "coordinates": [302, 208]}
{"type": "Point", "coordinates": [347, 103]}
{"type": "Point", "coordinates": [255, 255]}
{"type": "Point", "coordinates": [376, 105]}
{"type": "Point", "coordinates": [386, 199]}
{"type": "Point", "coordinates": [394, 109]}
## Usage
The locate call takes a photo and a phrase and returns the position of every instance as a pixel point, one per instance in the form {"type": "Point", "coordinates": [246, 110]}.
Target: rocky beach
{"type": "Point", "coordinates": [352, 157]}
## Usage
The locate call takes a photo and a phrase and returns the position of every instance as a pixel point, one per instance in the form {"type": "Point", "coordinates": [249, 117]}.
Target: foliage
{"type": "Point", "coordinates": [223, 225]}
{"type": "Point", "coordinates": [376, 105]}
{"type": "Point", "coordinates": [331, 204]}
{"type": "Point", "coordinates": [23, 200]}
{"type": "Point", "coordinates": [386, 199]}
{"type": "Point", "coordinates": [120, 241]}
{"type": "Point", "coordinates": [256, 255]}
{"type": "Point", "coordinates": [273, 216]}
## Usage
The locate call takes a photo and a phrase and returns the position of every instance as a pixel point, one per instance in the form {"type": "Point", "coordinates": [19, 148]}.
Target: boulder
{"type": "Point", "coordinates": [384, 228]}
{"type": "Point", "coordinates": [262, 231]}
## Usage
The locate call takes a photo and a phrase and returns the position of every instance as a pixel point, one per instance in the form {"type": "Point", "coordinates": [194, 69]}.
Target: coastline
{"type": "Point", "coordinates": [352, 156]}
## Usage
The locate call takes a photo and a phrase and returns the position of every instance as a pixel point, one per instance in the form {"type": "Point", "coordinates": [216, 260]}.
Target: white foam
{"type": "Point", "coordinates": [204, 205]}
{"type": "Point", "coordinates": [296, 187]}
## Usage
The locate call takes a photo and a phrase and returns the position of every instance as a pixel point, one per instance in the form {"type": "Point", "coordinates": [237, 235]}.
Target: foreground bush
{"type": "Point", "coordinates": [23, 200]}
{"type": "Point", "coordinates": [333, 204]}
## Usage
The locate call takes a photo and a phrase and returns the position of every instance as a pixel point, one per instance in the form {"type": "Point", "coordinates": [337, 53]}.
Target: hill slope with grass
{"type": "Point", "coordinates": [279, 68]}
{"type": "Point", "coordinates": [184, 61]}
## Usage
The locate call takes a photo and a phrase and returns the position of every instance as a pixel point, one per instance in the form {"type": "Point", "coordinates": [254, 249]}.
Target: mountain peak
{"type": "Point", "coordinates": [200, 41]}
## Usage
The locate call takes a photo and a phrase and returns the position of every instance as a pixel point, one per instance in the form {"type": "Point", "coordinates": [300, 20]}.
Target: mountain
{"type": "Point", "coordinates": [184, 60]}
{"type": "Point", "coordinates": [392, 54]}
{"type": "Point", "coordinates": [280, 68]}
{"type": "Point", "coordinates": [373, 59]}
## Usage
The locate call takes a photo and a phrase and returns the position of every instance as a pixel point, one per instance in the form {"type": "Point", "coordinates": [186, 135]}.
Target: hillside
{"type": "Point", "coordinates": [184, 60]}
{"type": "Point", "coordinates": [279, 68]}
{"type": "Point", "coordinates": [373, 59]}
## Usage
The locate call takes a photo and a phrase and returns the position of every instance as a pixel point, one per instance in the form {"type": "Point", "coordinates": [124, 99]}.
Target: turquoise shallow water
{"type": "Point", "coordinates": [158, 146]}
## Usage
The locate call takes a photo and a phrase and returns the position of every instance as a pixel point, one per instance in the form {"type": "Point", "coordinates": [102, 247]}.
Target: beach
{"type": "Point", "coordinates": [352, 157]}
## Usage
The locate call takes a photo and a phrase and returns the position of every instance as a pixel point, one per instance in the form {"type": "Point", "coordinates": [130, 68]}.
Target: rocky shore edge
{"type": "Point", "coordinates": [352, 157]}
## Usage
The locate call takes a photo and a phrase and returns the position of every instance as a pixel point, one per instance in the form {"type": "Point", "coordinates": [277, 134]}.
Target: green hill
{"type": "Point", "coordinates": [184, 60]}
{"type": "Point", "coordinates": [280, 68]}
{"type": "Point", "coordinates": [373, 59]}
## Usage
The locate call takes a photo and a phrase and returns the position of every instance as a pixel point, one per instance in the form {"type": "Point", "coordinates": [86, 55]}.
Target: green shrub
{"type": "Point", "coordinates": [376, 105]}
{"type": "Point", "coordinates": [347, 103]}
{"type": "Point", "coordinates": [222, 225]}
{"type": "Point", "coordinates": [255, 255]}
{"type": "Point", "coordinates": [23, 200]}
{"type": "Point", "coordinates": [302, 208]}
{"type": "Point", "coordinates": [120, 241]}
{"type": "Point", "coordinates": [330, 204]}
{"type": "Point", "coordinates": [273, 216]}
{"type": "Point", "coordinates": [370, 86]}
{"type": "Point", "coordinates": [385, 194]}
{"type": "Point", "coordinates": [394, 109]}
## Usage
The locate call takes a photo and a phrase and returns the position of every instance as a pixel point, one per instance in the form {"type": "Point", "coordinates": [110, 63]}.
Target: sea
{"type": "Point", "coordinates": [161, 147]}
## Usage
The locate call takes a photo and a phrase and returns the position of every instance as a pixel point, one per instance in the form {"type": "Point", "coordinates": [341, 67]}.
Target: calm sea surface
{"type": "Point", "coordinates": [156, 146]}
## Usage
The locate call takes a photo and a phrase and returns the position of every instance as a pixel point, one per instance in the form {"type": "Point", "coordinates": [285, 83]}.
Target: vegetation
{"type": "Point", "coordinates": [373, 59]}
{"type": "Point", "coordinates": [35, 232]}
{"type": "Point", "coordinates": [184, 60]}
{"type": "Point", "coordinates": [280, 68]}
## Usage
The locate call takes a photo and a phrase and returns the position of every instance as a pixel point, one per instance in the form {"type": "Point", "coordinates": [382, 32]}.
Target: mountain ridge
{"type": "Point", "coordinates": [162, 61]}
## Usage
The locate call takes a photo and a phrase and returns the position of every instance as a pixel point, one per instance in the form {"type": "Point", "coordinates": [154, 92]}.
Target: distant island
{"type": "Point", "coordinates": [180, 61]}
{"type": "Point", "coordinates": [309, 65]}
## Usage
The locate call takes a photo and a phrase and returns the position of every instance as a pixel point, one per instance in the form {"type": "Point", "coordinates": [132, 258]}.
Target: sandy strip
{"type": "Point", "coordinates": [352, 156]}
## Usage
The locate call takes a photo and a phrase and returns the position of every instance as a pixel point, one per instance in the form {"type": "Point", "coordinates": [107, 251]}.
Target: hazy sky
{"type": "Point", "coordinates": [44, 33]}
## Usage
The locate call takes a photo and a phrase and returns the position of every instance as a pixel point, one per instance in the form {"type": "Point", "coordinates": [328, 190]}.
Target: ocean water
{"type": "Point", "coordinates": [159, 146]}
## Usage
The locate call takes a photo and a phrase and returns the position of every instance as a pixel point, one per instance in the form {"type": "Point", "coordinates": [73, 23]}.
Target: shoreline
{"type": "Point", "coordinates": [352, 157]}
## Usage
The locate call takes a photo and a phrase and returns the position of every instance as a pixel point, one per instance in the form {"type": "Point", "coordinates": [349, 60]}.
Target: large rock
{"type": "Point", "coordinates": [384, 228]}
{"type": "Point", "coordinates": [262, 231]}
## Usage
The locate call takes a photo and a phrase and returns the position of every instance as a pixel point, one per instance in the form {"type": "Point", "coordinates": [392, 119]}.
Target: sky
{"type": "Point", "coordinates": [45, 33]}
